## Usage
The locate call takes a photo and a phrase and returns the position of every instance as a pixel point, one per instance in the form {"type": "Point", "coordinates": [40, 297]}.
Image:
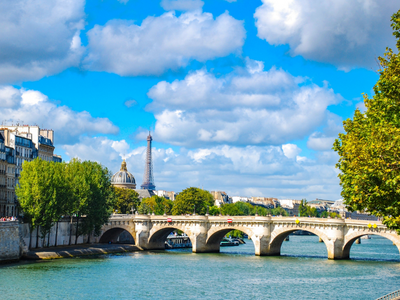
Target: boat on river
{"type": "Point", "coordinates": [226, 242]}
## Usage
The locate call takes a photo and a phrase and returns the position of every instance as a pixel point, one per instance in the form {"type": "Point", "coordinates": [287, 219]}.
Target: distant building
{"type": "Point", "coordinates": [123, 179]}
{"type": "Point", "coordinates": [240, 199]}
{"type": "Point", "coordinates": [220, 198]}
{"type": "Point", "coordinates": [263, 201]}
{"type": "Point", "coordinates": [341, 208]}
{"type": "Point", "coordinates": [167, 195]}
{"type": "Point", "coordinates": [291, 206]}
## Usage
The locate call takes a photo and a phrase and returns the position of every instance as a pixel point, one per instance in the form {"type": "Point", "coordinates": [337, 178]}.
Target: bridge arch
{"type": "Point", "coordinates": [112, 235]}
{"type": "Point", "coordinates": [351, 238]}
{"type": "Point", "coordinates": [159, 235]}
{"type": "Point", "coordinates": [216, 235]}
{"type": "Point", "coordinates": [279, 235]}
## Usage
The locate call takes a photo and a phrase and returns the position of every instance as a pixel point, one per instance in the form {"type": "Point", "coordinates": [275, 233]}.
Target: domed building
{"type": "Point", "coordinates": [123, 179]}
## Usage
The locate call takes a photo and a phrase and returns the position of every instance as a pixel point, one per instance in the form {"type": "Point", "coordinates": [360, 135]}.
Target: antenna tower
{"type": "Point", "coordinates": [148, 180]}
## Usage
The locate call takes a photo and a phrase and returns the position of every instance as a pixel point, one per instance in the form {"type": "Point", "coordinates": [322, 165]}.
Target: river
{"type": "Point", "coordinates": [302, 272]}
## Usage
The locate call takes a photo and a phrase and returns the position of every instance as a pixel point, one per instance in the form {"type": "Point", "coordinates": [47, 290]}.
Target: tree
{"type": "Point", "coordinates": [42, 191]}
{"type": "Point", "coordinates": [231, 210]}
{"type": "Point", "coordinates": [91, 195]}
{"type": "Point", "coordinates": [190, 199]}
{"type": "Point", "coordinates": [303, 208]}
{"type": "Point", "coordinates": [125, 200]}
{"type": "Point", "coordinates": [155, 204]}
{"type": "Point", "coordinates": [214, 210]}
{"type": "Point", "coordinates": [97, 204]}
{"type": "Point", "coordinates": [369, 150]}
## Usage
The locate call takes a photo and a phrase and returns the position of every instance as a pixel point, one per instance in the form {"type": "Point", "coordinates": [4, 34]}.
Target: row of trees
{"type": "Point", "coordinates": [48, 191]}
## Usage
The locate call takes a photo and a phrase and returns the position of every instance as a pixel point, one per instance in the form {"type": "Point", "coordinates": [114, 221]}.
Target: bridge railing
{"type": "Point", "coordinates": [391, 296]}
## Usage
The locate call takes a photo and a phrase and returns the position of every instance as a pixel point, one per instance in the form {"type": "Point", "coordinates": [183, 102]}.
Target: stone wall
{"type": "Point", "coordinates": [9, 241]}
{"type": "Point", "coordinates": [59, 236]}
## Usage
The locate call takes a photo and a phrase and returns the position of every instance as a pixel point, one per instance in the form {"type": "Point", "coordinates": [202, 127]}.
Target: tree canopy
{"type": "Point", "coordinates": [48, 190]}
{"type": "Point", "coordinates": [190, 199]}
{"type": "Point", "coordinates": [369, 149]}
{"type": "Point", "coordinates": [125, 200]}
{"type": "Point", "coordinates": [155, 204]}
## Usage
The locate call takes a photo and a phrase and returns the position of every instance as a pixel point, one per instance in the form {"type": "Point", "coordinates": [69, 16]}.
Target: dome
{"type": "Point", "coordinates": [123, 178]}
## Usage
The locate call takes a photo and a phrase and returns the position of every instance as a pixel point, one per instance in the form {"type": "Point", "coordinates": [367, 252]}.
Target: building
{"type": "Point", "coordinates": [291, 206]}
{"type": "Point", "coordinates": [341, 208]}
{"type": "Point", "coordinates": [17, 145]}
{"type": "Point", "coordinates": [220, 198]}
{"type": "Point", "coordinates": [123, 179]}
{"type": "Point", "coordinates": [240, 199]}
{"type": "Point", "coordinates": [167, 195]}
{"type": "Point", "coordinates": [263, 201]}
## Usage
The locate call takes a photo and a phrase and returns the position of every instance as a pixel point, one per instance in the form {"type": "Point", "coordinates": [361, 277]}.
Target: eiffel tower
{"type": "Point", "coordinates": [148, 180]}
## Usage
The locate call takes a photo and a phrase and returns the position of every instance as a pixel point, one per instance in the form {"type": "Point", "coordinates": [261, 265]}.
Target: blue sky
{"type": "Point", "coordinates": [241, 96]}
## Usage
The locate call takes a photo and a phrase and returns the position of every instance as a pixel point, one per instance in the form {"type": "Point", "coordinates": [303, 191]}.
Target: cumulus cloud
{"type": "Point", "coordinates": [323, 141]}
{"type": "Point", "coordinates": [348, 34]}
{"type": "Point", "coordinates": [244, 171]}
{"type": "Point", "coordinates": [247, 107]}
{"type": "Point", "coordinates": [33, 107]}
{"type": "Point", "coordinates": [39, 38]}
{"type": "Point", "coordinates": [291, 150]}
{"type": "Point", "coordinates": [9, 97]}
{"type": "Point", "coordinates": [182, 5]}
{"type": "Point", "coordinates": [162, 43]}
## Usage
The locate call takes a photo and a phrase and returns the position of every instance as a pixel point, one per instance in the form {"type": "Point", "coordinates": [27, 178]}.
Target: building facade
{"type": "Point", "coordinates": [17, 145]}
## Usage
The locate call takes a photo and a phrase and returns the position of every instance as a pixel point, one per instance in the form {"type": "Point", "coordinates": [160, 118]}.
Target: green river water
{"type": "Point", "coordinates": [302, 272]}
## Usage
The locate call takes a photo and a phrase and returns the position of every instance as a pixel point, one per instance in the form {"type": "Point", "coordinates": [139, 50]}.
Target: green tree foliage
{"type": "Point", "coordinates": [246, 209]}
{"type": "Point", "coordinates": [125, 200]}
{"type": "Point", "coordinates": [49, 190]}
{"type": "Point", "coordinates": [214, 210]}
{"type": "Point", "coordinates": [42, 190]}
{"type": "Point", "coordinates": [97, 204]}
{"type": "Point", "coordinates": [231, 210]}
{"type": "Point", "coordinates": [155, 204]}
{"type": "Point", "coordinates": [235, 234]}
{"type": "Point", "coordinates": [369, 149]}
{"type": "Point", "coordinates": [191, 198]}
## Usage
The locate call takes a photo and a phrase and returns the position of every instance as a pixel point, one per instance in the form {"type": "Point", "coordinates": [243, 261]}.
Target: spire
{"type": "Point", "coordinates": [148, 180]}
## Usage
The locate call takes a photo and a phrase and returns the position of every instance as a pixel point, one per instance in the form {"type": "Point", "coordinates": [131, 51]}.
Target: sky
{"type": "Point", "coordinates": [245, 97]}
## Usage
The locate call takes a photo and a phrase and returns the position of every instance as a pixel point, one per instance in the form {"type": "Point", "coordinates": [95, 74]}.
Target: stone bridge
{"type": "Point", "coordinates": [267, 233]}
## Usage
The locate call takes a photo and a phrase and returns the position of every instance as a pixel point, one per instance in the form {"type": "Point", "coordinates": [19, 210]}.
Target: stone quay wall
{"type": "Point", "coordinates": [63, 233]}
{"type": "Point", "coordinates": [10, 249]}
{"type": "Point", "coordinates": [16, 239]}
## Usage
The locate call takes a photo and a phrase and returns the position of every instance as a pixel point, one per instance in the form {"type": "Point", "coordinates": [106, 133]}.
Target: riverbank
{"type": "Point", "coordinates": [78, 250]}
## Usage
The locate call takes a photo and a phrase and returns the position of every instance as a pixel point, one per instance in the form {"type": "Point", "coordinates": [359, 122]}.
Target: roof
{"type": "Point", "coordinates": [123, 176]}
{"type": "Point", "coordinates": [144, 193]}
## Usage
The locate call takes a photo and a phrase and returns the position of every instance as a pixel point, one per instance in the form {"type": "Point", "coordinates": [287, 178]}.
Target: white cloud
{"type": "Point", "coordinates": [291, 150]}
{"type": "Point", "coordinates": [246, 171]}
{"type": "Point", "coordinates": [248, 107]}
{"type": "Point", "coordinates": [348, 34]}
{"type": "Point", "coordinates": [130, 103]}
{"type": "Point", "coordinates": [32, 107]}
{"type": "Point", "coordinates": [182, 5]}
{"type": "Point", "coordinates": [322, 141]}
{"type": "Point", "coordinates": [39, 38]}
{"type": "Point", "coordinates": [9, 97]}
{"type": "Point", "coordinates": [162, 43]}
